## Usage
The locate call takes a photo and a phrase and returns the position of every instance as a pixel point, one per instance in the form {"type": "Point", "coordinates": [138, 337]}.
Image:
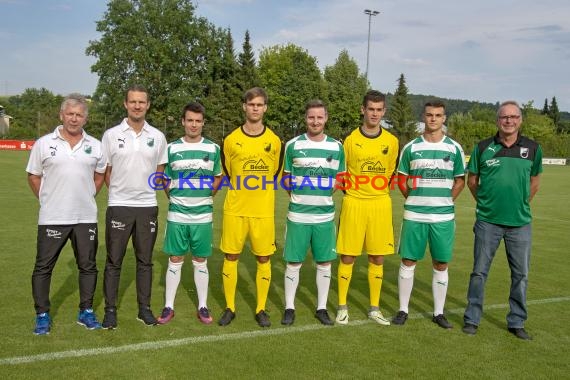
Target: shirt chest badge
{"type": "Point", "coordinates": [150, 141]}
{"type": "Point", "coordinates": [524, 152]}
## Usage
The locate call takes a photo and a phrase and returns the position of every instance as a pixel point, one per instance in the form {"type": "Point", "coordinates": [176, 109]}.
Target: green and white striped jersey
{"type": "Point", "coordinates": [435, 165]}
{"type": "Point", "coordinates": [313, 167]}
{"type": "Point", "coordinates": [191, 168]}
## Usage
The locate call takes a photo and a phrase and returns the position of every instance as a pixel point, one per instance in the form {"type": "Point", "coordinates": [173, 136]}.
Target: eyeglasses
{"type": "Point", "coordinates": [507, 117]}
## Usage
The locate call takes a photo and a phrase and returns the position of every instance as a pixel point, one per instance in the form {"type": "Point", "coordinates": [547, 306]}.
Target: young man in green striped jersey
{"type": "Point", "coordinates": [437, 165]}
{"type": "Point", "coordinates": [312, 162]}
{"type": "Point", "coordinates": [195, 172]}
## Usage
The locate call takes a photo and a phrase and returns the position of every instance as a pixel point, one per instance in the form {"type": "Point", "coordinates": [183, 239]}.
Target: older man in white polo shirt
{"type": "Point", "coordinates": [65, 171]}
{"type": "Point", "coordinates": [135, 151]}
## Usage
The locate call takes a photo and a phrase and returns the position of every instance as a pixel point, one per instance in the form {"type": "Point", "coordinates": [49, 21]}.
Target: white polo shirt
{"type": "Point", "coordinates": [67, 190]}
{"type": "Point", "coordinates": [134, 158]}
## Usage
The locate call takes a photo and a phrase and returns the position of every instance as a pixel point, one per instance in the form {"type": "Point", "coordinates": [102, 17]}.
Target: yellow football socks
{"type": "Point", "coordinates": [344, 276]}
{"type": "Point", "coordinates": [262, 282]}
{"type": "Point", "coordinates": [229, 276]}
{"type": "Point", "coordinates": [375, 276]}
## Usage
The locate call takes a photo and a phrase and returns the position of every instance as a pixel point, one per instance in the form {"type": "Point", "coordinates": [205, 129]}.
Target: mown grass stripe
{"type": "Point", "coordinates": [225, 337]}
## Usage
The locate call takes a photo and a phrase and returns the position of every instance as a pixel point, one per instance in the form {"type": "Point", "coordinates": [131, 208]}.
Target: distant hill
{"type": "Point", "coordinates": [455, 105]}
{"type": "Point", "coordinates": [451, 105]}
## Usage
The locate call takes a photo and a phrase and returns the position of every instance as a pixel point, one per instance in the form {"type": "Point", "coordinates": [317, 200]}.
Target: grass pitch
{"type": "Point", "coordinates": [185, 348]}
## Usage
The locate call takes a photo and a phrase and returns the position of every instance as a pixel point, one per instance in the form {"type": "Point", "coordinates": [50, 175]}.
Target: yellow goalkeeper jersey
{"type": "Point", "coordinates": [370, 163]}
{"type": "Point", "coordinates": [252, 165]}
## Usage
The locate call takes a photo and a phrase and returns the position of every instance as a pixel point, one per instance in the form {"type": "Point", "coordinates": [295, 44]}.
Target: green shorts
{"type": "Point", "coordinates": [179, 239]}
{"type": "Point", "coordinates": [415, 236]}
{"type": "Point", "coordinates": [319, 237]}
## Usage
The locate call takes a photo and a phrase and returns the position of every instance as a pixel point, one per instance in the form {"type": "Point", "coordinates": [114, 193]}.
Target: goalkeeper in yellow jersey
{"type": "Point", "coordinates": [252, 158]}
{"type": "Point", "coordinates": [366, 215]}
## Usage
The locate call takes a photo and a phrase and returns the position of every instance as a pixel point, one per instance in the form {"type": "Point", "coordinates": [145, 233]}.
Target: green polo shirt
{"type": "Point", "coordinates": [504, 179]}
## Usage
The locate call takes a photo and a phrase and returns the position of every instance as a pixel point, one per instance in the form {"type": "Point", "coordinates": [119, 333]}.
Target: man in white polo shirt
{"type": "Point", "coordinates": [135, 151]}
{"type": "Point", "coordinates": [65, 171]}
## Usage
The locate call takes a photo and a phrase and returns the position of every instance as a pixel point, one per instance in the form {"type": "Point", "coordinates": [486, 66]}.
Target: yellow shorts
{"type": "Point", "coordinates": [261, 233]}
{"type": "Point", "coordinates": [365, 224]}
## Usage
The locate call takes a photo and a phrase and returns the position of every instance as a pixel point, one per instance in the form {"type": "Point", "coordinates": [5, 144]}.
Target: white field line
{"type": "Point", "coordinates": [224, 337]}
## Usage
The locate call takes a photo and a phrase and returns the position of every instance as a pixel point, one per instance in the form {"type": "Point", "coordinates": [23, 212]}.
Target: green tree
{"type": "Point", "coordinates": [34, 113]}
{"type": "Point", "coordinates": [223, 97]}
{"type": "Point", "coordinates": [247, 70]}
{"type": "Point", "coordinates": [471, 127]}
{"type": "Point", "coordinates": [400, 114]}
{"type": "Point", "coordinates": [291, 77]}
{"type": "Point", "coordinates": [345, 87]}
{"type": "Point", "coordinates": [554, 112]}
{"type": "Point", "coordinates": [545, 107]}
{"type": "Point", "coordinates": [158, 43]}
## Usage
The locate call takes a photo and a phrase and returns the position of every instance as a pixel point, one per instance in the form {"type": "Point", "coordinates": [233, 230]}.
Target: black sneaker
{"type": "Point", "coordinates": [288, 317]}
{"type": "Point", "coordinates": [400, 318]}
{"type": "Point", "coordinates": [442, 322]}
{"type": "Point", "coordinates": [262, 319]}
{"type": "Point", "coordinates": [146, 316]}
{"type": "Point", "coordinates": [520, 333]}
{"type": "Point", "coordinates": [323, 317]}
{"type": "Point", "coordinates": [110, 319]}
{"type": "Point", "coordinates": [227, 317]}
{"type": "Point", "coordinates": [469, 329]}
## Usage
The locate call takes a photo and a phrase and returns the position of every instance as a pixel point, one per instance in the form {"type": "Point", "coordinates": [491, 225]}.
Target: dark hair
{"type": "Point", "coordinates": [136, 88]}
{"type": "Point", "coordinates": [194, 107]}
{"type": "Point", "coordinates": [373, 96]}
{"type": "Point", "coordinates": [254, 93]}
{"type": "Point", "coordinates": [315, 103]}
{"type": "Point", "coordinates": [434, 103]}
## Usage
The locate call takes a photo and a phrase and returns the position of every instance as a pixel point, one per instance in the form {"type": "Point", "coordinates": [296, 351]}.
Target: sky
{"type": "Point", "coordinates": [483, 50]}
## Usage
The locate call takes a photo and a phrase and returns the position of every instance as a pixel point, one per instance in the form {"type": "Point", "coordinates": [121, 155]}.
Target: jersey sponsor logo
{"type": "Point", "coordinates": [492, 162]}
{"type": "Point", "coordinates": [55, 234]}
{"type": "Point", "coordinates": [433, 174]}
{"type": "Point", "coordinates": [372, 167]}
{"type": "Point", "coordinates": [118, 225]}
{"type": "Point", "coordinates": [53, 150]}
{"type": "Point", "coordinates": [524, 152]}
{"type": "Point", "coordinates": [255, 166]}
{"type": "Point", "coordinates": [121, 143]}
{"type": "Point", "coordinates": [150, 141]}
{"type": "Point", "coordinates": [87, 149]}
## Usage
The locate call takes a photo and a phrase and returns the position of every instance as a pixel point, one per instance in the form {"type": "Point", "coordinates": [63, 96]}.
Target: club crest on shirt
{"type": "Point", "coordinates": [87, 149]}
{"type": "Point", "coordinates": [524, 152]}
{"type": "Point", "coordinates": [385, 149]}
{"type": "Point", "coordinates": [121, 143]}
{"type": "Point", "coordinates": [267, 147]}
{"type": "Point", "coordinates": [53, 150]}
{"type": "Point", "coordinates": [150, 141]}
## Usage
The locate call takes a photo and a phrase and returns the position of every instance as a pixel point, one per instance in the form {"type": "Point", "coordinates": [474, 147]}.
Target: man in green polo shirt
{"type": "Point", "coordinates": [503, 178]}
